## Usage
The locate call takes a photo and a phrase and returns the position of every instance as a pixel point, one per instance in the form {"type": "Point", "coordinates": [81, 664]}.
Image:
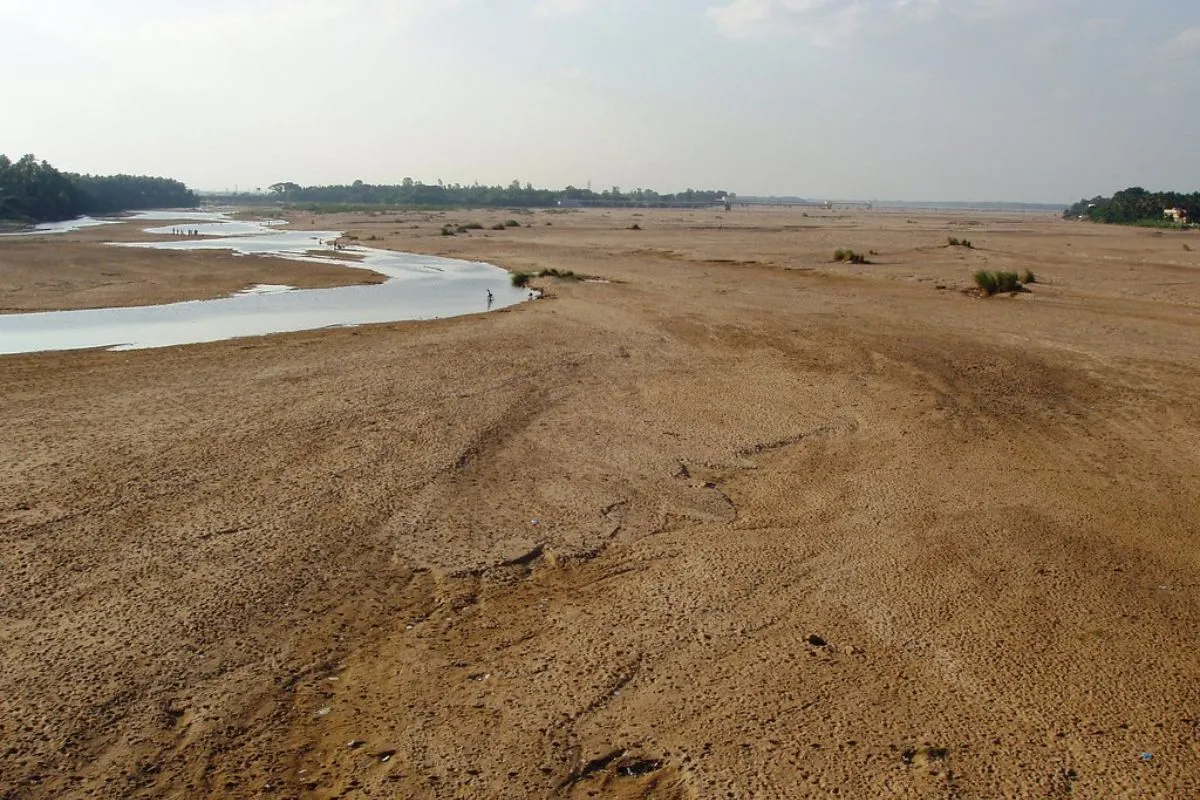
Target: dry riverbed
{"type": "Point", "coordinates": [742, 522]}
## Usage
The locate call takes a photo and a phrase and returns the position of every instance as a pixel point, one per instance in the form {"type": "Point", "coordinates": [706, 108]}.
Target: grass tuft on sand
{"type": "Point", "coordinates": [845, 254]}
{"type": "Point", "coordinates": [998, 282]}
{"type": "Point", "coordinates": [520, 279]}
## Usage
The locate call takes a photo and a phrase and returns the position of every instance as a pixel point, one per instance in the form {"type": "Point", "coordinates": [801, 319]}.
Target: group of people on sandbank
{"type": "Point", "coordinates": [191, 233]}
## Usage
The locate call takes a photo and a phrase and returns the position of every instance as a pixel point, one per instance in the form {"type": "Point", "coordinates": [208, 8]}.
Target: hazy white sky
{"type": "Point", "coordinates": [1036, 100]}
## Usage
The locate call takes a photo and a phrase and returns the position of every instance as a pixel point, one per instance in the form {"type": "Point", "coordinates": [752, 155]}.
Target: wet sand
{"type": "Point", "coordinates": [802, 529]}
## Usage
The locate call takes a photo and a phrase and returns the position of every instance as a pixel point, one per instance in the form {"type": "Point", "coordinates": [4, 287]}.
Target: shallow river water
{"type": "Point", "coordinates": [63, 227]}
{"type": "Point", "coordinates": [416, 287]}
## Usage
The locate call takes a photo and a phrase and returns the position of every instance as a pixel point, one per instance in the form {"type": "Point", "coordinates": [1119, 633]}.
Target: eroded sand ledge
{"type": "Point", "coordinates": [226, 563]}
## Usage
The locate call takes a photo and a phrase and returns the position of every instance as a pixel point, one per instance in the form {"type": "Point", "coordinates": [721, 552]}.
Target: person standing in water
{"type": "Point", "coordinates": [490, 298]}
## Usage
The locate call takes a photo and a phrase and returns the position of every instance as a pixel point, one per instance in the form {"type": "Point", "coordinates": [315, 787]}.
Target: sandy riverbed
{"type": "Point", "coordinates": [801, 528]}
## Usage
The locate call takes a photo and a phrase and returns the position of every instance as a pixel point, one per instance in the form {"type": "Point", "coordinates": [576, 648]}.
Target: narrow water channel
{"type": "Point", "coordinates": [416, 287]}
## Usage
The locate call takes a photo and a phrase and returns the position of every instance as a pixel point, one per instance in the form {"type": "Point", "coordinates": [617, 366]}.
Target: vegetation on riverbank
{"type": "Point", "coordinates": [520, 279]}
{"type": "Point", "coordinates": [439, 195]}
{"type": "Point", "coordinates": [34, 191]}
{"type": "Point", "coordinates": [1136, 206]}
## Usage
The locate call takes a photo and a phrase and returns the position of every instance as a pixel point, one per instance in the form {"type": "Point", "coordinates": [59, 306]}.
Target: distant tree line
{"type": "Point", "coordinates": [415, 193]}
{"type": "Point", "coordinates": [1136, 206]}
{"type": "Point", "coordinates": [34, 191]}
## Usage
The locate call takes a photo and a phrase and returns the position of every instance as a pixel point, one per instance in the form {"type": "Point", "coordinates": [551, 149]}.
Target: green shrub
{"type": "Point", "coordinates": [471, 226]}
{"type": "Point", "coordinates": [997, 282]}
{"type": "Point", "coordinates": [986, 281]}
{"type": "Point", "coordinates": [635, 227]}
{"type": "Point", "coordinates": [447, 230]}
{"type": "Point", "coordinates": [1187, 247]}
{"type": "Point", "coordinates": [511, 223]}
{"type": "Point", "coordinates": [849, 256]}
{"type": "Point", "coordinates": [520, 279]}
{"type": "Point", "coordinates": [1028, 277]}
{"type": "Point", "coordinates": [1008, 281]}
{"type": "Point", "coordinates": [956, 242]}
{"type": "Point", "coordinates": [499, 226]}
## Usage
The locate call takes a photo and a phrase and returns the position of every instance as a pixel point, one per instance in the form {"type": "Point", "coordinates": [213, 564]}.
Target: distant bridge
{"type": "Point", "coordinates": [827, 205]}
{"type": "Point", "coordinates": [725, 204]}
